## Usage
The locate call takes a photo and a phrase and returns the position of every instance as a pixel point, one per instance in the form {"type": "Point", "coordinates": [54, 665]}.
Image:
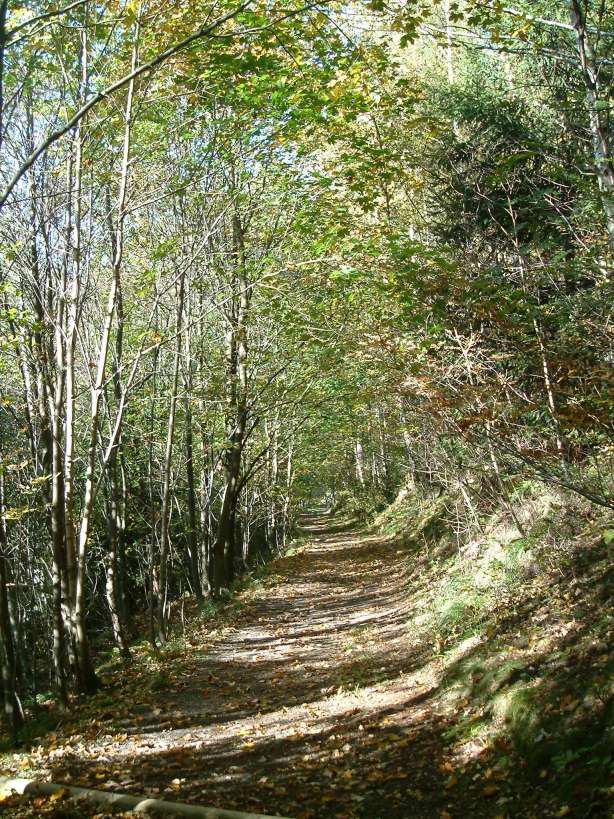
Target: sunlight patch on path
{"type": "Point", "coordinates": [315, 678]}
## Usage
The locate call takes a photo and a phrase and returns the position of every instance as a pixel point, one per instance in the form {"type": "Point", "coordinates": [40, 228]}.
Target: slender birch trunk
{"type": "Point", "coordinates": [193, 535]}
{"type": "Point", "coordinates": [359, 455]}
{"type": "Point", "coordinates": [74, 232]}
{"type": "Point", "coordinates": [117, 499]}
{"type": "Point", "coordinates": [87, 677]}
{"type": "Point", "coordinates": [162, 611]}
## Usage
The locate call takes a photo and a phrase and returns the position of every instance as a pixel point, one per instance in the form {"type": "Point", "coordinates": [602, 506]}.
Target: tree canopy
{"type": "Point", "coordinates": [256, 256]}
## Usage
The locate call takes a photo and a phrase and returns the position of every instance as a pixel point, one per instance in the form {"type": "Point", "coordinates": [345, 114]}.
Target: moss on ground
{"type": "Point", "coordinates": [524, 629]}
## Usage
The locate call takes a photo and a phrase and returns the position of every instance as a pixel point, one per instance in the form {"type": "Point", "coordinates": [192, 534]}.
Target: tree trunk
{"type": "Point", "coordinates": [602, 152]}
{"type": "Point", "coordinates": [162, 614]}
{"type": "Point", "coordinates": [193, 534]}
{"type": "Point", "coordinates": [226, 552]}
{"type": "Point", "coordinates": [115, 524]}
{"type": "Point", "coordinates": [359, 455]}
{"type": "Point", "coordinates": [206, 523]}
{"type": "Point", "coordinates": [8, 666]}
{"type": "Point", "coordinates": [289, 482]}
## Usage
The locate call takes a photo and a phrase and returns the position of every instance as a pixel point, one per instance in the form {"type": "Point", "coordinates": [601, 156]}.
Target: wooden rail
{"type": "Point", "coordinates": [137, 804]}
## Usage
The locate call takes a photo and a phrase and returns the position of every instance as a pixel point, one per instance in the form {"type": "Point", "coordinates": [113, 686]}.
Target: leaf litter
{"type": "Point", "coordinates": [316, 697]}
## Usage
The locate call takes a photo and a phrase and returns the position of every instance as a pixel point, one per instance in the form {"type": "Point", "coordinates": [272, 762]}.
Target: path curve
{"type": "Point", "coordinates": [312, 703]}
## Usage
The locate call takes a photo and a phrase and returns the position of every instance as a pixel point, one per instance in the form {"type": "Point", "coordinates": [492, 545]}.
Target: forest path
{"type": "Point", "coordinates": [310, 702]}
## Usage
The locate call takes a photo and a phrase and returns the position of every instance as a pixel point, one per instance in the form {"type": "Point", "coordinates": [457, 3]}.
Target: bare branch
{"type": "Point", "coordinates": [160, 58]}
{"type": "Point", "coordinates": [40, 17]}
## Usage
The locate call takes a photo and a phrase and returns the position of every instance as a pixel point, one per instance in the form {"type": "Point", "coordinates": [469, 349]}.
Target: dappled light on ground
{"type": "Point", "coordinates": [323, 693]}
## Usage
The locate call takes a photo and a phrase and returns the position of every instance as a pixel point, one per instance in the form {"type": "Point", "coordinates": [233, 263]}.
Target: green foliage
{"type": "Point", "coordinates": [396, 272]}
{"type": "Point", "coordinates": [461, 607]}
{"type": "Point", "coordinates": [608, 537]}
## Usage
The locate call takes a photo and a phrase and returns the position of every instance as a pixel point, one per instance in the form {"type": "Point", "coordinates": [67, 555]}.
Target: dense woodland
{"type": "Point", "coordinates": [261, 256]}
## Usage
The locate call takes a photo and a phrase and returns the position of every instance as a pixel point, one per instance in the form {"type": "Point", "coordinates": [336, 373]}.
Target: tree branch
{"type": "Point", "coordinates": [54, 136]}
{"type": "Point", "coordinates": [40, 17]}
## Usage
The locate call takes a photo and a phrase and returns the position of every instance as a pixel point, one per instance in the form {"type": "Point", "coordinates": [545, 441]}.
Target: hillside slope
{"type": "Point", "coordinates": [370, 674]}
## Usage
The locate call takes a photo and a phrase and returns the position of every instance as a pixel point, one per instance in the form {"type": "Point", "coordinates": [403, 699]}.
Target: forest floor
{"type": "Point", "coordinates": [311, 695]}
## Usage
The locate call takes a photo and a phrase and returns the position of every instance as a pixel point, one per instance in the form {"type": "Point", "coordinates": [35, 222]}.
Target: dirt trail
{"type": "Point", "coordinates": [312, 703]}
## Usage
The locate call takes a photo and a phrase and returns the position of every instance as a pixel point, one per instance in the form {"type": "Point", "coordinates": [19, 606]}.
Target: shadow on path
{"type": "Point", "coordinates": [314, 703]}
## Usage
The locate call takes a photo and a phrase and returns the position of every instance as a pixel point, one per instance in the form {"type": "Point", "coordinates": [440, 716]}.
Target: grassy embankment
{"type": "Point", "coordinates": [523, 626]}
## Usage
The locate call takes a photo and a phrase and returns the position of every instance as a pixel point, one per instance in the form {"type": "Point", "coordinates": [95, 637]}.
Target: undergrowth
{"type": "Point", "coordinates": [149, 668]}
{"type": "Point", "coordinates": [523, 628]}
